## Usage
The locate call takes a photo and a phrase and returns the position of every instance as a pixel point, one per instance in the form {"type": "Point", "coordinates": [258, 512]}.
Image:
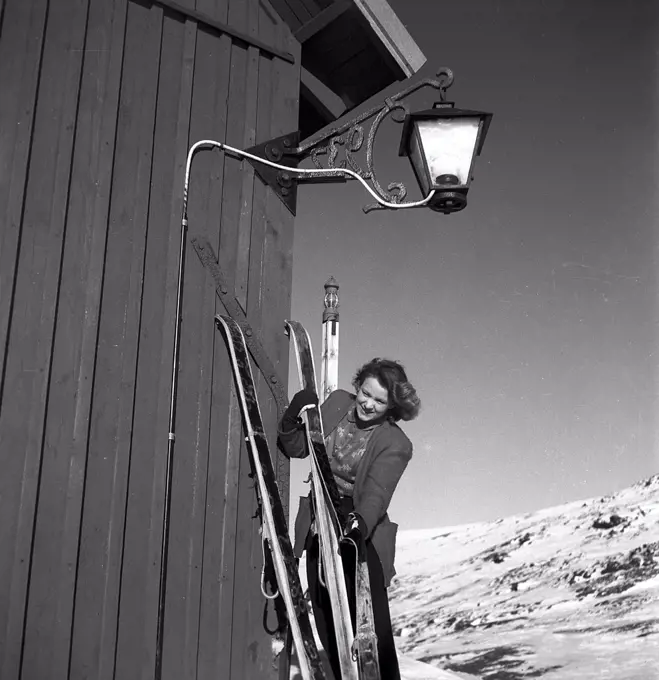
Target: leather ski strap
{"type": "Point", "coordinates": [207, 256]}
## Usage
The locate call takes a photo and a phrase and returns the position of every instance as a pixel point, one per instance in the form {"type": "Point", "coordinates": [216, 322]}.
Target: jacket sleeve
{"type": "Point", "coordinates": [292, 443]}
{"type": "Point", "coordinates": [380, 483]}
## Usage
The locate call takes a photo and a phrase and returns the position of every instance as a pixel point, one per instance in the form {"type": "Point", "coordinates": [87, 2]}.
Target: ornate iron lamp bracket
{"type": "Point", "coordinates": [347, 137]}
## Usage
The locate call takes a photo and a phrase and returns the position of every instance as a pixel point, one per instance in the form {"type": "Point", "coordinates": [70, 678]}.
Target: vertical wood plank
{"type": "Point", "coordinates": [51, 579]}
{"type": "Point", "coordinates": [283, 118]}
{"type": "Point", "coordinates": [217, 600]}
{"type": "Point", "coordinates": [191, 464]}
{"type": "Point", "coordinates": [247, 20]}
{"type": "Point", "coordinates": [256, 313]}
{"type": "Point", "coordinates": [211, 94]}
{"type": "Point", "coordinates": [153, 386]}
{"type": "Point", "coordinates": [247, 189]}
{"type": "Point", "coordinates": [278, 248]}
{"type": "Point", "coordinates": [234, 567]}
{"type": "Point", "coordinates": [156, 342]}
{"type": "Point", "coordinates": [157, 329]}
{"type": "Point", "coordinates": [248, 638]}
{"type": "Point", "coordinates": [279, 236]}
{"type": "Point", "coordinates": [99, 566]}
{"type": "Point", "coordinates": [20, 63]}
{"type": "Point", "coordinates": [111, 450]}
{"type": "Point", "coordinates": [271, 260]}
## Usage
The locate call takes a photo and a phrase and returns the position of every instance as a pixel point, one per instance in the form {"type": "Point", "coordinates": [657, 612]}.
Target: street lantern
{"type": "Point", "coordinates": [442, 144]}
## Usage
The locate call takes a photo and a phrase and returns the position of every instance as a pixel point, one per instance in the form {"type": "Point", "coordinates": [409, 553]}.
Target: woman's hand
{"type": "Point", "coordinates": [300, 402]}
{"type": "Point", "coordinates": [355, 530]}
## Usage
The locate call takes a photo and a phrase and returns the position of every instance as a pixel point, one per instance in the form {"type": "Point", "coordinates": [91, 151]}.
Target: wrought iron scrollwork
{"type": "Point", "coordinates": [352, 142]}
{"type": "Point", "coordinates": [349, 137]}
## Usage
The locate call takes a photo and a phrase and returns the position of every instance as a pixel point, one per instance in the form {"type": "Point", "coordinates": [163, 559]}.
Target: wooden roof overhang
{"type": "Point", "coordinates": [351, 50]}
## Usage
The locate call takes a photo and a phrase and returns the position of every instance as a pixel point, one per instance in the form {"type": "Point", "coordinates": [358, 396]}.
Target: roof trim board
{"type": "Point", "coordinates": [393, 34]}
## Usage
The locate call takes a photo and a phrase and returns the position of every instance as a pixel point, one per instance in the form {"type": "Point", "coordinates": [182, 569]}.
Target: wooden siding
{"type": "Point", "coordinates": [101, 100]}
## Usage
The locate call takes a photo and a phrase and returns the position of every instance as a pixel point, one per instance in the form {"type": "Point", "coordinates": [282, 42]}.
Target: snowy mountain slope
{"type": "Point", "coordinates": [566, 592]}
{"type": "Point", "coordinates": [410, 669]}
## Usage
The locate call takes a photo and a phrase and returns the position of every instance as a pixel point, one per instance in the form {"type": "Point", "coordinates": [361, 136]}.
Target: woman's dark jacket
{"type": "Point", "coordinates": [387, 454]}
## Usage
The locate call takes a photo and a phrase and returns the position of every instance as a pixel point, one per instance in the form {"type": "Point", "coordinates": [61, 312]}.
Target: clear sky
{"type": "Point", "coordinates": [528, 321]}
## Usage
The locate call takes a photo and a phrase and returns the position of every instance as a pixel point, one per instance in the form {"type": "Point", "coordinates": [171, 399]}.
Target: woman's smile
{"type": "Point", "coordinates": [363, 413]}
{"type": "Point", "coordinates": [372, 400]}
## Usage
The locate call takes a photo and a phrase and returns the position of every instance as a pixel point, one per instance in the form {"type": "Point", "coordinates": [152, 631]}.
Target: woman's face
{"type": "Point", "coordinates": [372, 400]}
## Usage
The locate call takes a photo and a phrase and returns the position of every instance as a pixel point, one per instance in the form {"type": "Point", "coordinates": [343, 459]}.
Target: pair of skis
{"type": "Point", "coordinates": [275, 527]}
{"type": "Point", "coordinates": [358, 654]}
{"type": "Point", "coordinates": [327, 506]}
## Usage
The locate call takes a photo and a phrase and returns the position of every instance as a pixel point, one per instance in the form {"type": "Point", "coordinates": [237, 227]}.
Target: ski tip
{"type": "Point", "coordinates": [230, 325]}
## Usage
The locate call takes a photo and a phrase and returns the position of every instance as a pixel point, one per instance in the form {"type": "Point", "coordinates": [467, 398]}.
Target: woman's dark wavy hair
{"type": "Point", "coordinates": [404, 404]}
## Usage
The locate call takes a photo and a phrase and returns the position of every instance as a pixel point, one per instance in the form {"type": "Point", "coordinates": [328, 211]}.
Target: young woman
{"type": "Point", "coordinates": [368, 454]}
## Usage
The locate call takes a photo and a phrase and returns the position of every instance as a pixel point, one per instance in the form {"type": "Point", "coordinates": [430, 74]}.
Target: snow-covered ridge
{"type": "Point", "coordinates": [566, 592]}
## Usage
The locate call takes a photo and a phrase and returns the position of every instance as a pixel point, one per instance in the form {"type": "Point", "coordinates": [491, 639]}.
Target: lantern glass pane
{"type": "Point", "coordinates": [419, 163]}
{"type": "Point", "coordinates": [449, 146]}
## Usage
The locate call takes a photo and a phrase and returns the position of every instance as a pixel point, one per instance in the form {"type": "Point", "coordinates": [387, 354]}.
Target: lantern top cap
{"type": "Point", "coordinates": [437, 112]}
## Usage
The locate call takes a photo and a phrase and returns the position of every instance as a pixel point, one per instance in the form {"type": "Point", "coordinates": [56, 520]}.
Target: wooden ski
{"type": "Point", "coordinates": [328, 514]}
{"type": "Point", "coordinates": [275, 527]}
{"type": "Point", "coordinates": [365, 645]}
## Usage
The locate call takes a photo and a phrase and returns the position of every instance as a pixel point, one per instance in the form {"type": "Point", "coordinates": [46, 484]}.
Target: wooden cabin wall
{"type": "Point", "coordinates": [100, 101]}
